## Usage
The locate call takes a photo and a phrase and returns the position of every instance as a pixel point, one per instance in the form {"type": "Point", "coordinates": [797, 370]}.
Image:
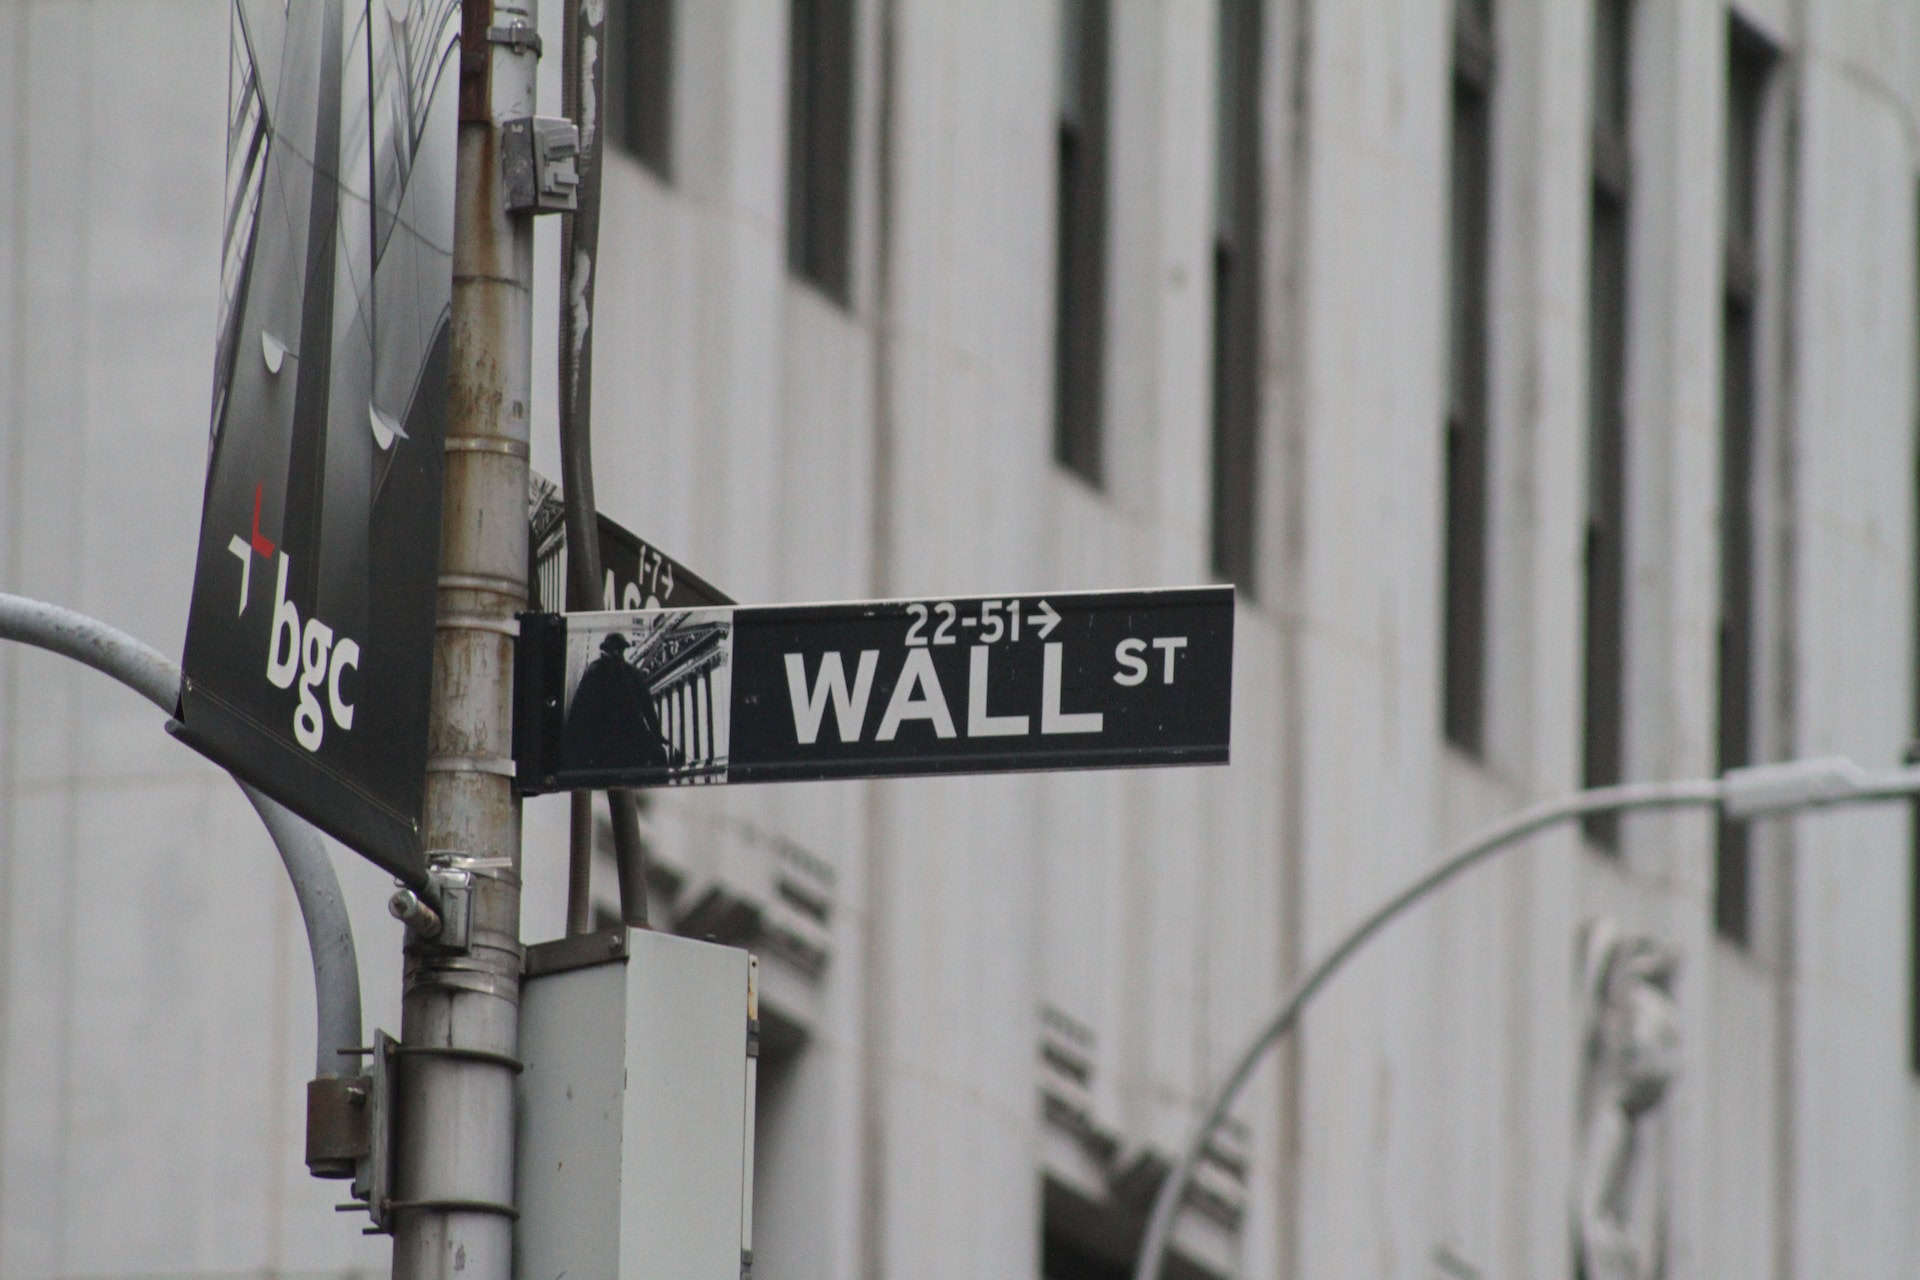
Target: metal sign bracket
{"type": "Point", "coordinates": [441, 918]}
{"type": "Point", "coordinates": [373, 1167]}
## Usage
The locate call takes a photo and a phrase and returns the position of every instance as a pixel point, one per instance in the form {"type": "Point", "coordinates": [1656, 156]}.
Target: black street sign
{"type": "Point", "coordinates": [309, 649]}
{"type": "Point", "coordinates": [635, 574]}
{"type": "Point", "coordinates": [1081, 680]}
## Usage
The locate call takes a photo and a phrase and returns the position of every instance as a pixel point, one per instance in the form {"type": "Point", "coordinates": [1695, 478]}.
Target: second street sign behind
{"type": "Point", "coordinates": [637, 574]}
{"type": "Point", "coordinates": [875, 688]}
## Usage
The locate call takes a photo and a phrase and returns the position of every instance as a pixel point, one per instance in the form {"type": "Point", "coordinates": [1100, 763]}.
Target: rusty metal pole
{"type": "Point", "coordinates": [452, 1211]}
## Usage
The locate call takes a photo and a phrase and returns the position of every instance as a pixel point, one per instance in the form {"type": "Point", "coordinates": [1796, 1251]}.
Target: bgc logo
{"type": "Point", "coordinates": [302, 653]}
{"type": "Point", "coordinates": [309, 657]}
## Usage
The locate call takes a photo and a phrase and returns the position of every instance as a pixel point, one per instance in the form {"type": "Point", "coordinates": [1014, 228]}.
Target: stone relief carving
{"type": "Point", "coordinates": [1630, 1055]}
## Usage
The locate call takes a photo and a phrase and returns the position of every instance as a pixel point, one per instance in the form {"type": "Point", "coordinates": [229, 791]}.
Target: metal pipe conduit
{"type": "Point", "coordinates": [336, 968]}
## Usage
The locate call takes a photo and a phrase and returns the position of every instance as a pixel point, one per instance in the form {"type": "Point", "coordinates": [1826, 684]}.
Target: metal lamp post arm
{"type": "Point", "coordinates": [1744, 793]}
{"type": "Point", "coordinates": [336, 969]}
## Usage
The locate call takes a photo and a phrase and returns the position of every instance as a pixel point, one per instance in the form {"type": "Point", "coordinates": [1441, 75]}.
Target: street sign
{"type": "Point", "coordinates": [309, 649]}
{"type": "Point", "coordinates": [874, 688]}
{"type": "Point", "coordinates": [635, 574]}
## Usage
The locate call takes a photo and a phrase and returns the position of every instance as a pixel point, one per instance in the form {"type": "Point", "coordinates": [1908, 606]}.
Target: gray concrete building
{"type": "Point", "coordinates": [1545, 373]}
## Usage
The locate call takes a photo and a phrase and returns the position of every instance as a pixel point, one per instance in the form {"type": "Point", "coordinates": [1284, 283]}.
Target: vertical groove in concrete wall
{"type": "Point", "coordinates": [1786, 427]}
{"type": "Point", "coordinates": [872, 1063]}
{"type": "Point", "coordinates": [882, 319]}
{"type": "Point", "coordinates": [20, 183]}
{"type": "Point", "coordinates": [71, 793]}
{"type": "Point", "coordinates": [19, 175]}
{"type": "Point", "coordinates": [1287, 269]}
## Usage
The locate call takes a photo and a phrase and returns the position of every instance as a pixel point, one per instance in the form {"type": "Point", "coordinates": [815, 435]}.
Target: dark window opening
{"type": "Point", "coordinates": [1464, 565]}
{"type": "Point", "coordinates": [1749, 64]}
{"type": "Point", "coordinates": [1082, 1239]}
{"type": "Point", "coordinates": [1604, 678]}
{"type": "Point", "coordinates": [1063, 1259]}
{"type": "Point", "coordinates": [1612, 52]}
{"type": "Point", "coordinates": [1736, 640]}
{"type": "Point", "coordinates": [639, 81]}
{"type": "Point", "coordinates": [1236, 295]}
{"type": "Point", "coordinates": [820, 143]}
{"type": "Point", "coordinates": [1081, 240]}
{"type": "Point", "coordinates": [1913, 949]}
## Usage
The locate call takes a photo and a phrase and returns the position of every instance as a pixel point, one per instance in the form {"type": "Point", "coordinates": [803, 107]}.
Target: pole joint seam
{"type": "Point", "coordinates": [489, 444]}
{"type": "Point", "coordinates": [456, 1206]}
{"type": "Point", "coordinates": [495, 583]}
{"type": "Point", "coordinates": [499, 766]}
{"type": "Point", "coordinates": [478, 622]}
{"type": "Point", "coordinates": [458, 1054]}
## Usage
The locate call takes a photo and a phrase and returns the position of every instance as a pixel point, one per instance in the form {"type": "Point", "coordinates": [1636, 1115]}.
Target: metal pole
{"type": "Point", "coordinates": [452, 1212]}
{"type": "Point", "coordinates": [336, 969]}
{"type": "Point", "coordinates": [1743, 794]}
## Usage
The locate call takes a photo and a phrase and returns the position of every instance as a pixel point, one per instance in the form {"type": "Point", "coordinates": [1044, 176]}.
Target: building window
{"type": "Point", "coordinates": [1750, 63]}
{"type": "Point", "coordinates": [1080, 269]}
{"type": "Point", "coordinates": [639, 81]}
{"type": "Point", "coordinates": [1236, 293]}
{"type": "Point", "coordinates": [1063, 1259]}
{"type": "Point", "coordinates": [1603, 755]}
{"type": "Point", "coordinates": [1464, 584]}
{"type": "Point", "coordinates": [1082, 1240]}
{"type": "Point", "coordinates": [820, 143]}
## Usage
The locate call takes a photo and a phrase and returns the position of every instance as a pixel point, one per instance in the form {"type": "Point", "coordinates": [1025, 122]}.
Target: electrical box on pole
{"type": "Point", "coordinates": [634, 1142]}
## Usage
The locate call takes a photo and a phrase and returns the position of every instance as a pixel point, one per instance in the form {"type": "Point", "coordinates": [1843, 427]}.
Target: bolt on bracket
{"type": "Point", "coordinates": [517, 36]}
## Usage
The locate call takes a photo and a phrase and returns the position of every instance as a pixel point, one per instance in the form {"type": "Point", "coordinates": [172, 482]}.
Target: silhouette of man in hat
{"type": "Point", "coordinates": [611, 723]}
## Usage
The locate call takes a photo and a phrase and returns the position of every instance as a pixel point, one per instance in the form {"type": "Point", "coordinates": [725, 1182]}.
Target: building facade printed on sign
{"type": "Point", "coordinates": [635, 573]}
{"type": "Point", "coordinates": [309, 645]}
{"type": "Point", "coordinates": [650, 691]}
{"type": "Point", "coordinates": [875, 688]}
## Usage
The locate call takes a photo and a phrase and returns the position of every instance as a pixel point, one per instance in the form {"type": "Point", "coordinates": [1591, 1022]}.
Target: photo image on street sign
{"type": "Point", "coordinates": [875, 688]}
{"type": "Point", "coordinates": [309, 646]}
{"type": "Point", "coordinates": [649, 691]}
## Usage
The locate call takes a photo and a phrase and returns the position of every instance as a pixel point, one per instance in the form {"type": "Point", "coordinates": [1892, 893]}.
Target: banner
{"type": "Point", "coordinates": [309, 644]}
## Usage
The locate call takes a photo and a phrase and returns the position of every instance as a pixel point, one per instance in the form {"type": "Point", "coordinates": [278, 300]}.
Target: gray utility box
{"type": "Point", "coordinates": [634, 1124]}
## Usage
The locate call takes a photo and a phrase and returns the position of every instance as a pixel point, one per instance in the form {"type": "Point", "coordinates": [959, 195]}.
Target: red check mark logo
{"type": "Point", "coordinates": [244, 550]}
{"type": "Point", "coordinates": [259, 540]}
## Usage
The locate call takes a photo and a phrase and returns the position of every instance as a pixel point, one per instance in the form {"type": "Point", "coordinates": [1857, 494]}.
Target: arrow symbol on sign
{"type": "Point", "coordinates": [1053, 620]}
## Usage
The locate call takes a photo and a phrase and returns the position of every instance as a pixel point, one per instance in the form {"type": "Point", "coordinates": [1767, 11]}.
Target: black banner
{"type": "Point", "coordinates": [879, 688]}
{"type": "Point", "coordinates": [309, 644]}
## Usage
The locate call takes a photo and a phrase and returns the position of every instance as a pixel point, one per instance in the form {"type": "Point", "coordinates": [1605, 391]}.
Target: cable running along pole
{"type": "Point", "coordinates": [1742, 793]}
{"type": "Point", "coordinates": [584, 102]}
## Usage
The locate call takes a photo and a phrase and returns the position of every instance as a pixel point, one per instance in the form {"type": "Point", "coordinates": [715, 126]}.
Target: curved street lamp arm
{"type": "Point", "coordinates": [323, 909]}
{"type": "Point", "coordinates": [1749, 792]}
{"type": "Point", "coordinates": [1489, 840]}
{"type": "Point", "coordinates": [336, 968]}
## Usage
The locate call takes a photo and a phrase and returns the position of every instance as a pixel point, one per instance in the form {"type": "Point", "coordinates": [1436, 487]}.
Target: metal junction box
{"type": "Point", "coordinates": [634, 1123]}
